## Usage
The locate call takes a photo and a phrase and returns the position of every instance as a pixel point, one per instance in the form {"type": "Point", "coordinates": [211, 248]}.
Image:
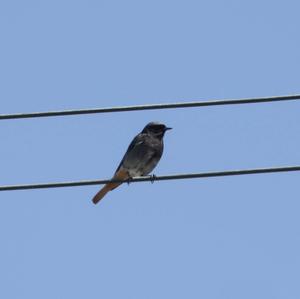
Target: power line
{"type": "Point", "coordinates": [155, 178]}
{"type": "Point", "coordinates": [152, 107]}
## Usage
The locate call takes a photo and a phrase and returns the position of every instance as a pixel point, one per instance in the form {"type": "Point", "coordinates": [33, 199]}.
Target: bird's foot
{"type": "Point", "coordinates": [128, 181]}
{"type": "Point", "coordinates": [152, 178]}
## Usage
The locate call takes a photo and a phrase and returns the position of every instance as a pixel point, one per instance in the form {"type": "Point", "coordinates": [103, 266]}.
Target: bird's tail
{"type": "Point", "coordinates": [108, 187]}
{"type": "Point", "coordinates": [119, 175]}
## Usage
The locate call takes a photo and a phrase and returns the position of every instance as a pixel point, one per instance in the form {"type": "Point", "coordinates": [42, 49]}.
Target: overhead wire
{"type": "Point", "coordinates": [155, 178]}
{"type": "Point", "coordinates": [152, 107]}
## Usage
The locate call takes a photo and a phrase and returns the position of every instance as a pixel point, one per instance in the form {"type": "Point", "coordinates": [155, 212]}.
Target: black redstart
{"type": "Point", "coordinates": [141, 157]}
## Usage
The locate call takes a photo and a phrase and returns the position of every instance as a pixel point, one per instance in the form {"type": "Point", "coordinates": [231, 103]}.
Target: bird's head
{"type": "Point", "coordinates": [156, 128]}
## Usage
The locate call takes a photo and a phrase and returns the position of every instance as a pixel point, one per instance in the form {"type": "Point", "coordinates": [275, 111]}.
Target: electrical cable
{"type": "Point", "coordinates": [152, 107]}
{"type": "Point", "coordinates": [155, 178]}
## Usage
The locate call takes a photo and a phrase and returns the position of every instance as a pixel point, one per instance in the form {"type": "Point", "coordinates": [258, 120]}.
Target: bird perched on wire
{"type": "Point", "coordinates": [141, 157]}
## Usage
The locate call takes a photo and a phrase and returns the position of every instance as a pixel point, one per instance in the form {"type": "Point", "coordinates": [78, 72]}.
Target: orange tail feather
{"type": "Point", "coordinates": [120, 175]}
{"type": "Point", "coordinates": [108, 187]}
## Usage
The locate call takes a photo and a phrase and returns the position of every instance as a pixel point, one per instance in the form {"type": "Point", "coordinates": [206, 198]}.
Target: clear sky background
{"type": "Point", "coordinates": [234, 237]}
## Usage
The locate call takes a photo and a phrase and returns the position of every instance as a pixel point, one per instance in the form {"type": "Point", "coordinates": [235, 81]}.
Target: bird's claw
{"type": "Point", "coordinates": [152, 178]}
{"type": "Point", "coordinates": [128, 181]}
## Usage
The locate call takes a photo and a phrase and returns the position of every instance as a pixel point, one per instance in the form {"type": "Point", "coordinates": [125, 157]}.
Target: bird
{"type": "Point", "coordinates": [141, 157]}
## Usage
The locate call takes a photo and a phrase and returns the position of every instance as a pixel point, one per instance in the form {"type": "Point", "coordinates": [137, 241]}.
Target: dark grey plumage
{"type": "Point", "coordinates": [141, 157]}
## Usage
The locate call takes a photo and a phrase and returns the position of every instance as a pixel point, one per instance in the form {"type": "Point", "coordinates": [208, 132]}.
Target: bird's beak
{"type": "Point", "coordinates": [167, 128]}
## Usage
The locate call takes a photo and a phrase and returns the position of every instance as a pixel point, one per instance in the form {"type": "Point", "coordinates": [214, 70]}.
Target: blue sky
{"type": "Point", "coordinates": [234, 237]}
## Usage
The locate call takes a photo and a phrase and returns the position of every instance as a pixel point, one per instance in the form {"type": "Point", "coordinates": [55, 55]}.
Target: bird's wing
{"type": "Point", "coordinates": [136, 142]}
